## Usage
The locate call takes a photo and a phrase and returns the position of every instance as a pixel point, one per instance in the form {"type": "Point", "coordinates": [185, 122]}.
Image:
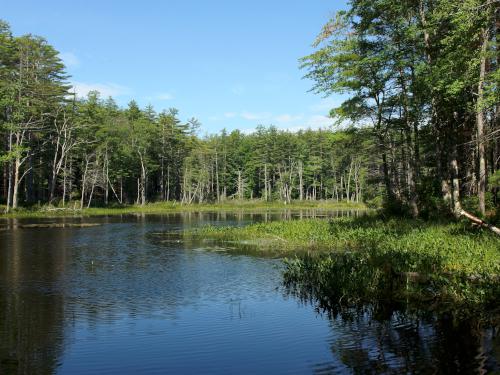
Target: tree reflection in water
{"type": "Point", "coordinates": [31, 308]}
{"type": "Point", "coordinates": [397, 338]}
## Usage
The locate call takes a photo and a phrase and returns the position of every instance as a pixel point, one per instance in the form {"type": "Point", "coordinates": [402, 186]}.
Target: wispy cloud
{"type": "Point", "coordinates": [326, 105]}
{"type": "Point", "coordinates": [105, 89]}
{"type": "Point", "coordinates": [165, 96]}
{"type": "Point", "coordinates": [286, 121]}
{"type": "Point", "coordinates": [318, 121]}
{"type": "Point", "coordinates": [253, 116]}
{"type": "Point", "coordinates": [69, 59]}
{"type": "Point", "coordinates": [287, 118]}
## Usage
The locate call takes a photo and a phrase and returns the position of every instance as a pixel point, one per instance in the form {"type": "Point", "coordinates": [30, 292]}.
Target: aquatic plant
{"type": "Point", "coordinates": [373, 257]}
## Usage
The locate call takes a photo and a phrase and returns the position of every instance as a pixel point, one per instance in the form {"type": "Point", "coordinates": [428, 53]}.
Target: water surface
{"type": "Point", "coordinates": [120, 297]}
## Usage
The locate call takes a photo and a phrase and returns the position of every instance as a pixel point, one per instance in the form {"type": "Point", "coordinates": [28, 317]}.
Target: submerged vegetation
{"type": "Point", "coordinates": [372, 257]}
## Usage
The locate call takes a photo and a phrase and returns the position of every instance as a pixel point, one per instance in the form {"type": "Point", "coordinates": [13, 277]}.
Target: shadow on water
{"type": "Point", "coordinates": [392, 339]}
{"type": "Point", "coordinates": [377, 333]}
{"type": "Point", "coordinates": [31, 312]}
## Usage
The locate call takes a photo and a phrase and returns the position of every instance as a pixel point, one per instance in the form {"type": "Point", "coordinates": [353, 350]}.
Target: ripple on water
{"type": "Point", "coordinates": [121, 297]}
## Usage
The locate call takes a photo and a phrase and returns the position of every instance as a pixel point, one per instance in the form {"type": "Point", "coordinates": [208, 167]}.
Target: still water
{"type": "Point", "coordinates": [120, 297]}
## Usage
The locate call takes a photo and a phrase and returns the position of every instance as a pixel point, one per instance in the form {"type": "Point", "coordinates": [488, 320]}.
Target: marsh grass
{"type": "Point", "coordinates": [167, 207]}
{"type": "Point", "coordinates": [372, 257]}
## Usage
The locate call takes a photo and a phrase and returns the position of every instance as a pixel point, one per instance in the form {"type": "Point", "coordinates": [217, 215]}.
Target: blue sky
{"type": "Point", "coordinates": [231, 64]}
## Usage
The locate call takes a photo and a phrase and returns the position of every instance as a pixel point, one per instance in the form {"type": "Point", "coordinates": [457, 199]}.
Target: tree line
{"type": "Point", "coordinates": [423, 76]}
{"type": "Point", "coordinates": [63, 150]}
{"type": "Point", "coordinates": [421, 125]}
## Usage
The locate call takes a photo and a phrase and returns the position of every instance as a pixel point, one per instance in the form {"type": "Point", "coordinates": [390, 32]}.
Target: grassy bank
{"type": "Point", "coordinates": [365, 257]}
{"type": "Point", "coordinates": [166, 207]}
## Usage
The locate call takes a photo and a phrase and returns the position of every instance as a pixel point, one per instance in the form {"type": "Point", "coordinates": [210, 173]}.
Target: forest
{"type": "Point", "coordinates": [423, 77]}
{"type": "Point", "coordinates": [419, 132]}
{"type": "Point", "coordinates": [59, 149]}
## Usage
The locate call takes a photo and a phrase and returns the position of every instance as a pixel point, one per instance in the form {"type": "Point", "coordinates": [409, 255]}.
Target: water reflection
{"type": "Point", "coordinates": [31, 310]}
{"type": "Point", "coordinates": [113, 298]}
{"type": "Point", "coordinates": [179, 219]}
{"type": "Point", "coordinates": [397, 338]}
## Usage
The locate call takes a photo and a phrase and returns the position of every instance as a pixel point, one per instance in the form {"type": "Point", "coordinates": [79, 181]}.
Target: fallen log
{"type": "Point", "coordinates": [479, 221]}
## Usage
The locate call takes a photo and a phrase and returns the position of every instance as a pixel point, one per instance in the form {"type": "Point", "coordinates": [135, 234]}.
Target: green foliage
{"type": "Point", "coordinates": [412, 74]}
{"type": "Point", "coordinates": [495, 180]}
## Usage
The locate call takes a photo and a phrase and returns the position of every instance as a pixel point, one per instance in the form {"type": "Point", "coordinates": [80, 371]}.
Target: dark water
{"type": "Point", "coordinates": [122, 298]}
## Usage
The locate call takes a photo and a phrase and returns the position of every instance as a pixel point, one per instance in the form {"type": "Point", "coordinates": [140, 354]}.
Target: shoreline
{"type": "Point", "coordinates": [176, 207]}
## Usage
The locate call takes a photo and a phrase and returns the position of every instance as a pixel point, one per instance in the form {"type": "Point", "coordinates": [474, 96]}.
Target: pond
{"type": "Point", "coordinates": [112, 295]}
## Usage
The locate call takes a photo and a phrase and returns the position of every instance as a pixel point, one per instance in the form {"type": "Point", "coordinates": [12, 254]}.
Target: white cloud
{"type": "Point", "coordinates": [318, 121]}
{"type": "Point", "coordinates": [287, 121]}
{"type": "Point", "coordinates": [252, 116]}
{"type": "Point", "coordinates": [295, 123]}
{"type": "Point", "coordinates": [326, 105]}
{"type": "Point", "coordinates": [287, 118]}
{"type": "Point", "coordinates": [165, 96]}
{"type": "Point", "coordinates": [69, 59]}
{"type": "Point", "coordinates": [105, 89]}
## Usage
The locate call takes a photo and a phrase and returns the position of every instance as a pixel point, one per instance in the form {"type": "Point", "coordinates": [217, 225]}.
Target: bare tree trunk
{"type": "Point", "coordinates": [15, 189]}
{"type": "Point", "coordinates": [168, 183]}
{"type": "Point", "coordinates": [53, 176]}
{"type": "Point", "coordinates": [92, 189]}
{"type": "Point", "coordinates": [10, 172]}
{"type": "Point", "coordinates": [265, 183]}
{"type": "Point", "coordinates": [349, 182]}
{"type": "Point", "coordinates": [301, 180]}
{"type": "Point", "coordinates": [114, 191]}
{"type": "Point", "coordinates": [479, 222]}
{"type": "Point", "coordinates": [84, 180]}
{"type": "Point", "coordinates": [342, 186]}
{"type": "Point", "coordinates": [240, 192]}
{"type": "Point", "coordinates": [137, 200]}
{"type": "Point", "coordinates": [70, 183]}
{"type": "Point", "coordinates": [217, 176]}
{"type": "Point", "coordinates": [143, 182]}
{"type": "Point", "coordinates": [30, 196]}
{"type": "Point", "coordinates": [457, 207]}
{"type": "Point", "coordinates": [480, 123]}
{"type": "Point", "coordinates": [106, 178]}
{"type": "Point", "coordinates": [64, 182]}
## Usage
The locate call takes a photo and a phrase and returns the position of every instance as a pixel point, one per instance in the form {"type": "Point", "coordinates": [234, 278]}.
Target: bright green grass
{"type": "Point", "coordinates": [166, 207]}
{"type": "Point", "coordinates": [452, 244]}
{"type": "Point", "coordinates": [371, 258]}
